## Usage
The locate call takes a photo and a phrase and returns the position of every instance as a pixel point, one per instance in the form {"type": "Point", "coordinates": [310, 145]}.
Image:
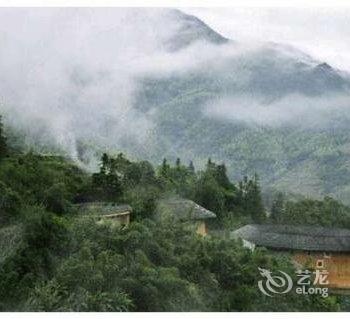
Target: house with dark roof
{"type": "Point", "coordinates": [119, 214]}
{"type": "Point", "coordinates": [310, 246]}
{"type": "Point", "coordinates": [188, 212]}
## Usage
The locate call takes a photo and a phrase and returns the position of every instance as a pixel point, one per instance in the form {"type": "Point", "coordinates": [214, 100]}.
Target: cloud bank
{"type": "Point", "coordinates": [69, 76]}
{"type": "Point", "coordinates": [321, 32]}
{"type": "Point", "coordinates": [292, 110]}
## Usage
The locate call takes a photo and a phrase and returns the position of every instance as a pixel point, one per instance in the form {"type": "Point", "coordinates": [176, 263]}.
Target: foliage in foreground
{"type": "Point", "coordinates": [60, 261]}
{"type": "Point", "coordinates": [146, 267]}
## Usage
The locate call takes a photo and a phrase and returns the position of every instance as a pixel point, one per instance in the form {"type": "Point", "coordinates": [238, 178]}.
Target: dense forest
{"type": "Point", "coordinates": [54, 259]}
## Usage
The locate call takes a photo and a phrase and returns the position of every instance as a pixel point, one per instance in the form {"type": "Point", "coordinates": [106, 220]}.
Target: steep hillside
{"type": "Point", "coordinates": [269, 109]}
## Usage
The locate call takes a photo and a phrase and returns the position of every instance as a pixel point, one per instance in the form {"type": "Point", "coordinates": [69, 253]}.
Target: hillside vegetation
{"type": "Point", "coordinates": [53, 259]}
{"type": "Point", "coordinates": [307, 156]}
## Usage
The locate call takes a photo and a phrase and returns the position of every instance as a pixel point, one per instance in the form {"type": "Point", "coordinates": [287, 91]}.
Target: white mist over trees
{"type": "Point", "coordinates": [69, 74]}
{"type": "Point", "coordinates": [140, 80]}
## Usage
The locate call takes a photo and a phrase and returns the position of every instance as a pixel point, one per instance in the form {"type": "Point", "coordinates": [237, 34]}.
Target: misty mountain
{"type": "Point", "coordinates": [298, 144]}
{"type": "Point", "coordinates": [158, 83]}
{"type": "Point", "coordinates": [267, 73]}
{"type": "Point", "coordinates": [190, 29]}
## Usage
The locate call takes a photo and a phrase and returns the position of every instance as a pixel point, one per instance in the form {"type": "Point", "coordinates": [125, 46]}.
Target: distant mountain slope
{"type": "Point", "coordinates": [310, 159]}
{"type": "Point", "coordinates": [161, 83]}
{"type": "Point", "coordinates": [189, 30]}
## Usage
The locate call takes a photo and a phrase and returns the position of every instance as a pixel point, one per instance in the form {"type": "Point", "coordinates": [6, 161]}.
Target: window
{"type": "Point", "coordinates": [320, 263]}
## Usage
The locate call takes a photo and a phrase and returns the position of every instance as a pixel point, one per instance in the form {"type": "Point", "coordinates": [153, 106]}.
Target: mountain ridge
{"type": "Point", "coordinates": [265, 107]}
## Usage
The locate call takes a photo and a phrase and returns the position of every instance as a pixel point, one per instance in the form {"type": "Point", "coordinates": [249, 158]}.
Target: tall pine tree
{"type": "Point", "coordinates": [254, 196]}
{"type": "Point", "coordinates": [164, 169]}
{"type": "Point", "coordinates": [277, 209]}
{"type": "Point", "coordinates": [191, 168]}
{"type": "Point", "coordinates": [3, 146]}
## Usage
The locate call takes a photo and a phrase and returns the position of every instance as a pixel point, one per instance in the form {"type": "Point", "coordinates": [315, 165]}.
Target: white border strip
{"type": "Point", "coordinates": [175, 3]}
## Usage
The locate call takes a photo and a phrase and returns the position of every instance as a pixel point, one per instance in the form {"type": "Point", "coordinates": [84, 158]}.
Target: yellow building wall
{"type": "Point", "coordinates": [120, 220]}
{"type": "Point", "coordinates": [202, 228]}
{"type": "Point", "coordinates": [337, 265]}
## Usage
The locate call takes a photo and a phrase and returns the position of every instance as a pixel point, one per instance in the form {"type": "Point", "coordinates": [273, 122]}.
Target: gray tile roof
{"type": "Point", "coordinates": [309, 238]}
{"type": "Point", "coordinates": [103, 208]}
{"type": "Point", "coordinates": [185, 209]}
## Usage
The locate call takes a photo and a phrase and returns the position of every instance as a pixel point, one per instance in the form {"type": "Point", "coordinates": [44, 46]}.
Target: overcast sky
{"type": "Point", "coordinates": [322, 32]}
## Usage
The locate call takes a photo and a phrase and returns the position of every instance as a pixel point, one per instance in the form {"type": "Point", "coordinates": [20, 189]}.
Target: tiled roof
{"type": "Point", "coordinates": [310, 238]}
{"type": "Point", "coordinates": [103, 208]}
{"type": "Point", "coordinates": [185, 209]}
